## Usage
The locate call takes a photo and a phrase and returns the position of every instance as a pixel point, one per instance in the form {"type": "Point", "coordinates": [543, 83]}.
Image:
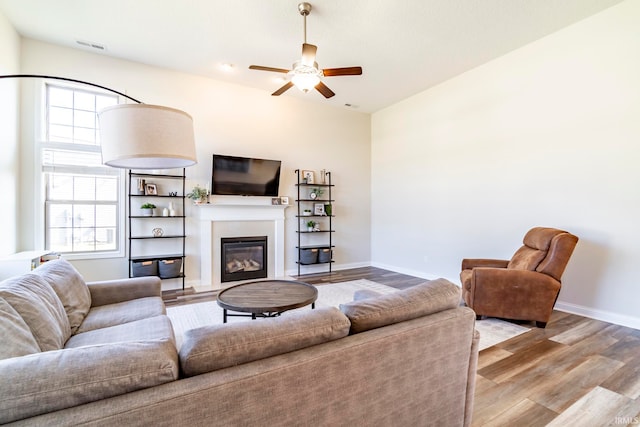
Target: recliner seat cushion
{"type": "Point", "coordinates": [40, 308]}
{"type": "Point", "coordinates": [70, 288]}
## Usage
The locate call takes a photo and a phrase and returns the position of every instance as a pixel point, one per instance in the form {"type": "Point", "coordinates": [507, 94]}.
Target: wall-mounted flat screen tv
{"type": "Point", "coordinates": [243, 176]}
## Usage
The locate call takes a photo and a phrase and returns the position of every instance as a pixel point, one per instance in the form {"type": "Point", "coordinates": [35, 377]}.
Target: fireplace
{"type": "Point", "coordinates": [243, 258]}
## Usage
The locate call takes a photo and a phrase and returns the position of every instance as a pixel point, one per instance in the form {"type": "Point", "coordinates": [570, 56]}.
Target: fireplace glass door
{"type": "Point", "coordinates": [243, 258]}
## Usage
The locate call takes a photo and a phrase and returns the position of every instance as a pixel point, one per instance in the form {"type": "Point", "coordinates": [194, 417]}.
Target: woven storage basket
{"type": "Point", "coordinates": [308, 256]}
{"type": "Point", "coordinates": [144, 268]}
{"type": "Point", "coordinates": [170, 268]}
{"type": "Point", "coordinates": [324, 255]}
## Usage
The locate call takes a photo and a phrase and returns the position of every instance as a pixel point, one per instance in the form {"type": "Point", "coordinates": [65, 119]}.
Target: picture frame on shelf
{"type": "Point", "coordinates": [151, 189]}
{"type": "Point", "coordinates": [308, 177]}
{"type": "Point", "coordinates": [275, 200]}
{"type": "Point", "coordinates": [284, 200]}
{"type": "Point", "coordinates": [318, 209]}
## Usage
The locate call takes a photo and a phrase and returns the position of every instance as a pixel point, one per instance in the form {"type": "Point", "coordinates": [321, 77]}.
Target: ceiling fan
{"type": "Point", "coordinates": [305, 74]}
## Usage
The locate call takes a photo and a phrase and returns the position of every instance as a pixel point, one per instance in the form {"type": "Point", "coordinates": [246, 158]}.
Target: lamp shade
{"type": "Point", "coordinates": [142, 136]}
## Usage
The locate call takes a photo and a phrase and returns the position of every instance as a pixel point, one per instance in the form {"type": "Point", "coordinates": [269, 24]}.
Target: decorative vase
{"type": "Point", "coordinates": [140, 186]}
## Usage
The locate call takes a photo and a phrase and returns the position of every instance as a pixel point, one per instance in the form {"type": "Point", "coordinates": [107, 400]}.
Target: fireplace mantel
{"type": "Point", "coordinates": [244, 214]}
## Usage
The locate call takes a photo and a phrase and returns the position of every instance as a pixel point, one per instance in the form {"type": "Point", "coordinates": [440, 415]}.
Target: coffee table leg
{"type": "Point", "coordinates": [224, 315]}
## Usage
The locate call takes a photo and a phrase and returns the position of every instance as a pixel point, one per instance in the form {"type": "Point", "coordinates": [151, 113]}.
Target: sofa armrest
{"type": "Point", "coordinates": [469, 263]}
{"type": "Point", "coordinates": [115, 291]}
{"type": "Point", "coordinates": [513, 294]}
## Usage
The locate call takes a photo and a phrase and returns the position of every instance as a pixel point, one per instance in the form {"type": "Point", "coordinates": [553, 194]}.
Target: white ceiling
{"type": "Point", "coordinates": [403, 46]}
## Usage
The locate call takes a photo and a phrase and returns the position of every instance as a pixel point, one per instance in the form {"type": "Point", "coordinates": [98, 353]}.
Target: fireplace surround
{"type": "Point", "coordinates": [230, 216]}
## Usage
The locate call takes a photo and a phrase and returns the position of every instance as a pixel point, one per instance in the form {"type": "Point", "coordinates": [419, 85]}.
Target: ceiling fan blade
{"type": "Point", "coordinates": [282, 90]}
{"type": "Point", "coordinates": [309, 54]}
{"type": "Point", "coordinates": [324, 90]}
{"type": "Point", "coordinates": [346, 71]}
{"type": "Point", "coordinates": [261, 68]}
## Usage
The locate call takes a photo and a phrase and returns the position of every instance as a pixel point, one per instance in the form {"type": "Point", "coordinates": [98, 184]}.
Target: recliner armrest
{"type": "Point", "coordinates": [513, 294]}
{"type": "Point", "coordinates": [468, 264]}
{"type": "Point", "coordinates": [115, 291]}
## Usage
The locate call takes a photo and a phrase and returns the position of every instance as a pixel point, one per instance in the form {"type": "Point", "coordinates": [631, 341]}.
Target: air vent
{"type": "Point", "coordinates": [91, 45]}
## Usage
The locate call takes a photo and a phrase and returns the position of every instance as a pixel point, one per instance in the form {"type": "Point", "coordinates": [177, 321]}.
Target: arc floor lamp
{"type": "Point", "coordinates": [140, 136]}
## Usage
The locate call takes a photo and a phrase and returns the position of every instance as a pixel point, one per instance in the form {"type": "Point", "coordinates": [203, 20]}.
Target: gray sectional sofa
{"type": "Point", "coordinates": [104, 353]}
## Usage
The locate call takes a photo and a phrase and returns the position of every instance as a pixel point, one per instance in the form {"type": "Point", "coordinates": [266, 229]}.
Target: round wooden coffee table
{"type": "Point", "coordinates": [266, 298]}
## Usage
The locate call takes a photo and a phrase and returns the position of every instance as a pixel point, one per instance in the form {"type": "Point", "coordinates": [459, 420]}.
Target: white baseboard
{"type": "Point", "coordinates": [605, 316]}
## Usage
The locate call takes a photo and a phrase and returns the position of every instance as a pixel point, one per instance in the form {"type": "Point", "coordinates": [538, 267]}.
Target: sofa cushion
{"type": "Point", "coordinates": [40, 308]}
{"type": "Point", "coordinates": [120, 313]}
{"type": "Point", "coordinates": [17, 339]}
{"type": "Point", "coordinates": [70, 287]}
{"type": "Point", "coordinates": [214, 347]}
{"type": "Point", "coordinates": [153, 328]}
{"type": "Point", "coordinates": [420, 300]}
{"type": "Point", "coordinates": [46, 382]}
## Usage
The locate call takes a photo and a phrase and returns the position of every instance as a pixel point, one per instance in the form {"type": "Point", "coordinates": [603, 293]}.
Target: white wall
{"type": "Point", "coordinates": [548, 135]}
{"type": "Point", "coordinates": [231, 119]}
{"type": "Point", "coordinates": [9, 161]}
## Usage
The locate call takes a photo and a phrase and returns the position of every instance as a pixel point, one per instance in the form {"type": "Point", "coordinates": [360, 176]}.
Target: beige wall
{"type": "Point", "coordinates": [234, 120]}
{"type": "Point", "coordinates": [547, 135]}
{"type": "Point", "coordinates": [9, 160]}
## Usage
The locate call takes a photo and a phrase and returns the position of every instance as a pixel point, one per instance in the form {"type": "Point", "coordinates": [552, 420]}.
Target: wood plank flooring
{"type": "Point", "coordinates": [575, 372]}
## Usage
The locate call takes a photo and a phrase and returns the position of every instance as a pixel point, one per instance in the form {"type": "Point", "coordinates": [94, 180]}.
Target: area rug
{"type": "Point", "coordinates": [190, 316]}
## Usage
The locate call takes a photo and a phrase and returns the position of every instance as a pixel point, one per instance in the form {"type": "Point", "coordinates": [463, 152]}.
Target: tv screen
{"type": "Point", "coordinates": [245, 176]}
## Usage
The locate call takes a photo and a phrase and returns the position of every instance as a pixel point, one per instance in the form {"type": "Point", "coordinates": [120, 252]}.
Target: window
{"type": "Point", "coordinates": [81, 195]}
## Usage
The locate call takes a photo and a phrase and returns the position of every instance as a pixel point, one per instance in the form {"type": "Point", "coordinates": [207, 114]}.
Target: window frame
{"type": "Point", "coordinates": [43, 171]}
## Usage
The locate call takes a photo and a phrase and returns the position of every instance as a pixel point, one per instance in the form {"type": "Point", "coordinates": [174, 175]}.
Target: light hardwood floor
{"type": "Point", "coordinates": [575, 372]}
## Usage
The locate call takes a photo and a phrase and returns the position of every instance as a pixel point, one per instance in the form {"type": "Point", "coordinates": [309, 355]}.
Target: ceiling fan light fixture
{"type": "Point", "coordinates": [305, 77]}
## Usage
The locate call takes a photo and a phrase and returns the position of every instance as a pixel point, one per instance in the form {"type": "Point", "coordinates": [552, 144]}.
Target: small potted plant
{"type": "Point", "coordinates": [311, 225]}
{"type": "Point", "coordinates": [147, 209]}
{"type": "Point", "coordinates": [306, 212]}
{"type": "Point", "coordinates": [198, 195]}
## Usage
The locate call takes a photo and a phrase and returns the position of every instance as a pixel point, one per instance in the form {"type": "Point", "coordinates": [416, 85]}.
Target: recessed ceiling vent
{"type": "Point", "coordinates": [91, 45]}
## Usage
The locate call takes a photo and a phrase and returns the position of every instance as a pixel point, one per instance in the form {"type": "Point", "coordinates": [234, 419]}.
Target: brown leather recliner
{"type": "Point", "coordinates": [525, 287]}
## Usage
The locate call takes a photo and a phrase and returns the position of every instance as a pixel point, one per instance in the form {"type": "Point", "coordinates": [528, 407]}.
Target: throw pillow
{"type": "Point", "coordinates": [17, 339]}
{"type": "Point", "coordinates": [39, 306]}
{"type": "Point", "coordinates": [70, 287]}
